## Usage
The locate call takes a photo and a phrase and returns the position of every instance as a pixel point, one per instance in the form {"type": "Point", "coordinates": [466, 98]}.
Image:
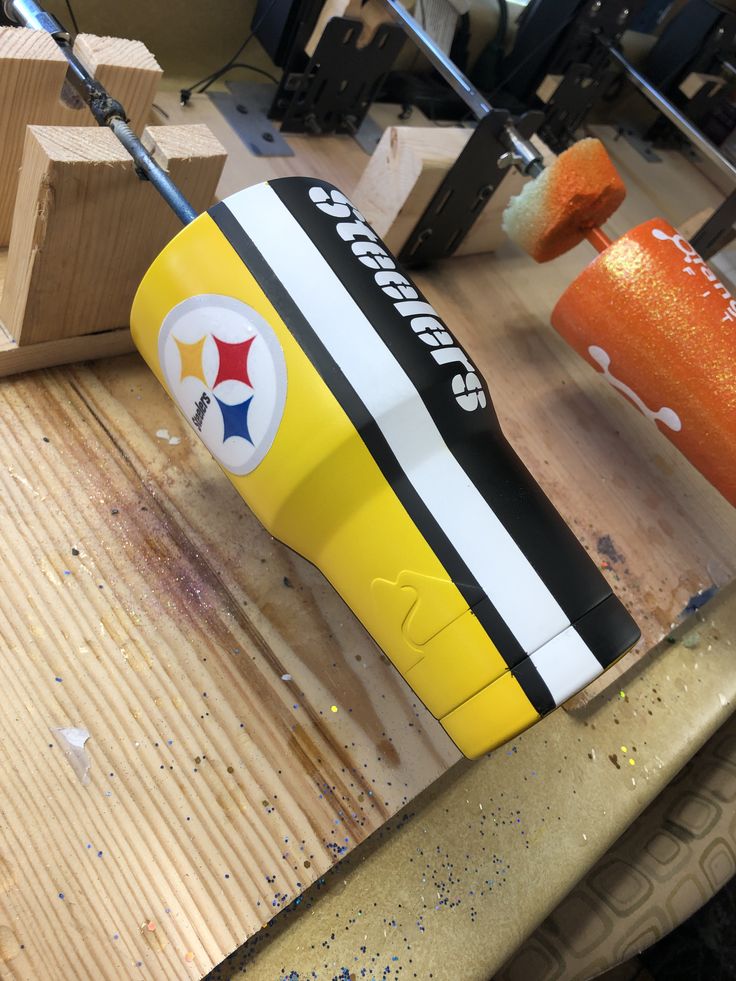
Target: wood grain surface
{"type": "Point", "coordinates": [244, 730]}
{"type": "Point", "coordinates": [144, 604]}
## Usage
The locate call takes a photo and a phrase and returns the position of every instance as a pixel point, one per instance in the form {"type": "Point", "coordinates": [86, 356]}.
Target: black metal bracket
{"type": "Point", "coordinates": [580, 88]}
{"type": "Point", "coordinates": [553, 35]}
{"type": "Point", "coordinates": [466, 190]}
{"type": "Point", "coordinates": [341, 80]}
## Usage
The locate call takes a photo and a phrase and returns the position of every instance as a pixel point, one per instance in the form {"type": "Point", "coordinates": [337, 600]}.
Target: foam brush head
{"type": "Point", "coordinates": [554, 212]}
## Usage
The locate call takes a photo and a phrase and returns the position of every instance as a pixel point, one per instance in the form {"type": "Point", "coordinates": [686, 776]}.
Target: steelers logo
{"type": "Point", "coordinates": [225, 369]}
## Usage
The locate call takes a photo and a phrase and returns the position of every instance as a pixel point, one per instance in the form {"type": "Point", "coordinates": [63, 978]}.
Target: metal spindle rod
{"type": "Point", "coordinates": [106, 110]}
{"type": "Point", "coordinates": [29, 14]}
{"type": "Point", "coordinates": [524, 155]}
{"type": "Point", "coordinates": [470, 95]}
{"type": "Point", "coordinates": [154, 173]}
{"type": "Point", "coordinates": [696, 137]}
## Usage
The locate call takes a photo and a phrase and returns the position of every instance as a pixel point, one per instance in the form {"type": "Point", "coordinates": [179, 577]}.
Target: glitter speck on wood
{"type": "Point", "coordinates": [606, 547]}
{"type": "Point", "coordinates": [154, 936]}
{"type": "Point", "coordinates": [699, 600]}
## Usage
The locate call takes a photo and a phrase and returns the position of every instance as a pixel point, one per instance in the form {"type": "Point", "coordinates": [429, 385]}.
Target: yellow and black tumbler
{"type": "Point", "coordinates": [361, 434]}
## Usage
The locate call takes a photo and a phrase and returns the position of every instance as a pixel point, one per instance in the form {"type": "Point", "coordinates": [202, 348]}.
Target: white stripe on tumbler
{"type": "Point", "coordinates": [494, 558]}
{"type": "Point", "coordinates": [566, 664]}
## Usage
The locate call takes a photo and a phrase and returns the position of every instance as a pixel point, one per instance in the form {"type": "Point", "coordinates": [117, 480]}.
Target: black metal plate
{"type": "Point", "coordinates": [341, 80]}
{"type": "Point", "coordinates": [465, 191]}
{"type": "Point", "coordinates": [245, 108]}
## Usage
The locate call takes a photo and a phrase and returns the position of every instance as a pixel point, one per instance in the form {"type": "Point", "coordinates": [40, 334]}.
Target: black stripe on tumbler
{"type": "Point", "coordinates": [609, 630]}
{"type": "Point", "coordinates": [475, 438]}
{"type": "Point", "coordinates": [369, 431]}
{"type": "Point", "coordinates": [534, 688]}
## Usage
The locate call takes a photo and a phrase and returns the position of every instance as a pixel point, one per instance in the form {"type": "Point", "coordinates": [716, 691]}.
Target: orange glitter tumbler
{"type": "Point", "coordinates": [651, 315]}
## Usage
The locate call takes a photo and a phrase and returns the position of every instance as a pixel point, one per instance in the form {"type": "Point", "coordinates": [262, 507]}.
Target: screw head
{"type": "Point", "coordinates": [268, 137]}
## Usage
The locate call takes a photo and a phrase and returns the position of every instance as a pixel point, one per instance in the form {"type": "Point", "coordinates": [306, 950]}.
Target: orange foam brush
{"type": "Point", "coordinates": [574, 195]}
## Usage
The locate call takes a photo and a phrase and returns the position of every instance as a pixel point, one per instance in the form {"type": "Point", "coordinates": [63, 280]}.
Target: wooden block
{"type": "Point", "coordinates": [372, 13]}
{"type": "Point", "coordinates": [127, 69]}
{"type": "Point", "coordinates": [32, 73]}
{"type": "Point", "coordinates": [193, 157]}
{"type": "Point", "coordinates": [15, 358]}
{"type": "Point", "coordinates": [405, 172]}
{"type": "Point", "coordinates": [695, 81]}
{"type": "Point", "coordinates": [548, 86]}
{"type": "Point", "coordinates": [439, 18]}
{"type": "Point", "coordinates": [692, 224]}
{"type": "Point", "coordinates": [86, 227]}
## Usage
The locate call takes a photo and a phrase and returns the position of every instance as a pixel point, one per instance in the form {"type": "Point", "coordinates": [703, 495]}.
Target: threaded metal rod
{"type": "Point", "coordinates": [154, 173]}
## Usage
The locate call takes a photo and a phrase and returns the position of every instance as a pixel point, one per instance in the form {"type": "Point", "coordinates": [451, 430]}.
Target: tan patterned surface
{"type": "Point", "coordinates": [679, 853]}
{"type": "Point", "coordinates": [451, 887]}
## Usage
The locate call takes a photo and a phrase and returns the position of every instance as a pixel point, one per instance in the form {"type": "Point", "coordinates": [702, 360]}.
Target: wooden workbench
{"type": "Point", "coordinates": [244, 731]}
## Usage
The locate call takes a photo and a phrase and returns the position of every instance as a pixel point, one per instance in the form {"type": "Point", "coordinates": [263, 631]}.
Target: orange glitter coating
{"type": "Point", "coordinates": [653, 316]}
{"type": "Point", "coordinates": [578, 192]}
